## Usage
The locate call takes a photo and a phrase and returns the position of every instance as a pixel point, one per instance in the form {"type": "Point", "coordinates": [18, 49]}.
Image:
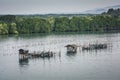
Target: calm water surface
{"type": "Point", "coordinates": [84, 65]}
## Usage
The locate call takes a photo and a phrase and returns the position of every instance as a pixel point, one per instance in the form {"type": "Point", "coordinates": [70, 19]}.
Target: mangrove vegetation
{"type": "Point", "coordinates": [105, 22]}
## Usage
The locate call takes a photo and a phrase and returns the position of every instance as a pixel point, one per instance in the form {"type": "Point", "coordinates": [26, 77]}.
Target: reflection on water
{"type": "Point", "coordinates": [71, 54]}
{"type": "Point", "coordinates": [82, 65]}
{"type": "Point", "coordinates": [23, 62]}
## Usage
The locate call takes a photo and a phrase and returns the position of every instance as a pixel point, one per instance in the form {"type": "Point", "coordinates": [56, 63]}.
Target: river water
{"type": "Point", "coordinates": [101, 64]}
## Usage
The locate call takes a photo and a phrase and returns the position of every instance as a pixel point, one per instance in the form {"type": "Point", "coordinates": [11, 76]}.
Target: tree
{"type": "Point", "coordinates": [51, 20]}
{"type": "Point", "coordinates": [62, 24]}
{"type": "Point", "coordinates": [113, 12]}
{"type": "Point", "coordinates": [8, 18]}
{"type": "Point", "coordinates": [74, 24]}
{"type": "Point", "coordinates": [3, 28]}
{"type": "Point", "coordinates": [44, 26]}
{"type": "Point", "coordinates": [13, 29]}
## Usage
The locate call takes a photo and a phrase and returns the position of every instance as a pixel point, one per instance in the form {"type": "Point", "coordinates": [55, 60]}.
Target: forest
{"type": "Point", "coordinates": [105, 22]}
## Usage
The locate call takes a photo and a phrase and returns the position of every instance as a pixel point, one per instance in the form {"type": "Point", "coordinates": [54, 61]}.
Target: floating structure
{"type": "Point", "coordinates": [71, 48]}
{"type": "Point", "coordinates": [95, 46]}
{"type": "Point", "coordinates": [42, 54]}
{"type": "Point", "coordinates": [22, 51]}
{"type": "Point", "coordinates": [23, 54]}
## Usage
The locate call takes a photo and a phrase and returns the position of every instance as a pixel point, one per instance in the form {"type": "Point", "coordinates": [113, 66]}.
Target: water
{"type": "Point", "coordinates": [84, 65]}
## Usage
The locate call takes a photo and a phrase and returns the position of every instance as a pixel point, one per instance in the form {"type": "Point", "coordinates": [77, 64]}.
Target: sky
{"type": "Point", "coordinates": [52, 6]}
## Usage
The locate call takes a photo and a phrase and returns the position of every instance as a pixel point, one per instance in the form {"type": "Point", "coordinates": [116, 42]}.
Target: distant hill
{"type": "Point", "coordinates": [101, 10]}
{"type": "Point", "coordinates": [54, 15]}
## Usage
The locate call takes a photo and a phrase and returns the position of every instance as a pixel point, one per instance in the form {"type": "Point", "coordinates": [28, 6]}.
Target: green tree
{"type": "Point", "coordinates": [74, 24]}
{"type": "Point", "coordinates": [3, 28]}
{"type": "Point", "coordinates": [51, 20]}
{"type": "Point", "coordinates": [62, 24]}
{"type": "Point", "coordinates": [13, 29]}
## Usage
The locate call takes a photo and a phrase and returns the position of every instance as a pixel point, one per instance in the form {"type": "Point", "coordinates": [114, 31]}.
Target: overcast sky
{"type": "Point", "coordinates": [52, 6]}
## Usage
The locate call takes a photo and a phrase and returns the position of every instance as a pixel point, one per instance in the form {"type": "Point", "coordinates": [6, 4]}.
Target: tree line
{"type": "Point", "coordinates": [12, 24]}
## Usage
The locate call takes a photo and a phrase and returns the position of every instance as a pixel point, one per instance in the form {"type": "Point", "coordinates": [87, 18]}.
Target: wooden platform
{"type": "Point", "coordinates": [42, 54]}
